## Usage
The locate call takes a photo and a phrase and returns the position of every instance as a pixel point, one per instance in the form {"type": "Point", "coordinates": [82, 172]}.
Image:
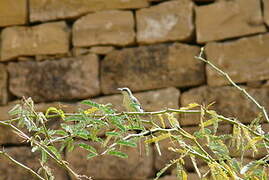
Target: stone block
{"type": "Point", "coordinates": [9, 170]}
{"type": "Point", "coordinates": [229, 102]}
{"type": "Point", "coordinates": [152, 67]}
{"type": "Point", "coordinates": [61, 79]}
{"type": "Point", "coordinates": [228, 19]}
{"type": "Point", "coordinates": [13, 12]}
{"type": "Point", "coordinates": [104, 28]}
{"type": "Point", "coordinates": [55, 9]}
{"type": "Point", "coordinates": [3, 85]}
{"type": "Point", "coordinates": [237, 59]}
{"type": "Point", "coordinates": [266, 11]}
{"type": "Point", "coordinates": [136, 166]}
{"type": "Point", "coordinates": [50, 38]}
{"type": "Point", "coordinates": [168, 21]}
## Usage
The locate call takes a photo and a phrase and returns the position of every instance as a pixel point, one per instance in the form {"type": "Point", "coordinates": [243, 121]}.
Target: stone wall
{"type": "Point", "coordinates": [61, 51]}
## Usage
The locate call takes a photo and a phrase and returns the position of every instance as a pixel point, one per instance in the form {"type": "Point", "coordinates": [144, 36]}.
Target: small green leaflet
{"type": "Point", "coordinates": [88, 147]}
{"type": "Point", "coordinates": [118, 154]}
{"type": "Point", "coordinates": [90, 103]}
{"type": "Point", "coordinates": [91, 155]}
{"type": "Point", "coordinates": [55, 152]}
{"type": "Point", "coordinates": [126, 143]}
{"type": "Point", "coordinates": [112, 134]}
{"type": "Point", "coordinates": [83, 134]}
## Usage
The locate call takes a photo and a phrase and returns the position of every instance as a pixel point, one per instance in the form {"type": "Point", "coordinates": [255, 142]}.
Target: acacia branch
{"type": "Point", "coordinates": [262, 108]}
{"type": "Point", "coordinates": [21, 165]}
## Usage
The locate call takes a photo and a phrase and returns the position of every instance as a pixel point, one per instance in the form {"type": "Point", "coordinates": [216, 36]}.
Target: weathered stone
{"type": "Point", "coordinates": [266, 11]}
{"type": "Point", "coordinates": [168, 21]}
{"type": "Point", "coordinates": [150, 100]}
{"type": "Point", "coordinates": [104, 28]}
{"type": "Point", "coordinates": [229, 102]}
{"type": "Point", "coordinates": [3, 85]}
{"type": "Point", "coordinates": [78, 51]}
{"type": "Point", "coordinates": [69, 9]}
{"type": "Point", "coordinates": [49, 38]}
{"type": "Point", "coordinates": [228, 19]}
{"type": "Point", "coordinates": [151, 67]}
{"type": "Point", "coordinates": [67, 78]}
{"type": "Point", "coordinates": [102, 50]}
{"type": "Point", "coordinates": [13, 12]}
{"type": "Point", "coordinates": [238, 59]}
{"type": "Point", "coordinates": [255, 84]}
{"type": "Point", "coordinates": [7, 136]}
{"type": "Point", "coordinates": [10, 170]}
{"type": "Point", "coordinates": [136, 166]}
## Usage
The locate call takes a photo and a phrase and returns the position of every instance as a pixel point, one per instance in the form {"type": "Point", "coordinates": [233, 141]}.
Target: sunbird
{"type": "Point", "coordinates": [130, 102]}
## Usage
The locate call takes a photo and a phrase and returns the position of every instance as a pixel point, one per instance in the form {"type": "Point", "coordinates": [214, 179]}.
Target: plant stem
{"type": "Point", "coordinates": [262, 108]}
{"type": "Point", "coordinates": [21, 165]}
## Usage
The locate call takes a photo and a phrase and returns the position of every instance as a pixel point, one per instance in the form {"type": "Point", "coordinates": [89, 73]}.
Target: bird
{"type": "Point", "coordinates": [130, 102]}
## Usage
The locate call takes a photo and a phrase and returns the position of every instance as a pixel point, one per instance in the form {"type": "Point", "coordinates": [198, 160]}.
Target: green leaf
{"type": "Point", "coordinates": [112, 134]}
{"type": "Point", "coordinates": [82, 133]}
{"type": "Point", "coordinates": [126, 143]}
{"type": "Point", "coordinates": [67, 128]}
{"type": "Point", "coordinates": [44, 156]}
{"type": "Point", "coordinates": [87, 147]}
{"type": "Point", "coordinates": [90, 103]}
{"type": "Point", "coordinates": [91, 155]}
{"type": "Point", "coordinates": [55, 152]}
{"type": "Point", "coordinates": [118, 154]}
{"type": "Point", "coordinates": [61, 132]}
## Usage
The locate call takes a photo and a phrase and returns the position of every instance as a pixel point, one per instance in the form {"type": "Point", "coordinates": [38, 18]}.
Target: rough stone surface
{"type": "Point", "coordinates": [102, 50]}
{"type": "Point", "coordinates": [151, 67]}
{"type": "Point", "coordinates": [150, 100]}
{"type": "Point", "coordinates": [229, 102]}
{"type": "Point", "coordinates": [49, 38]}
{"type": "Point", "coordinates": [239, 58]}
{"type": "Point", "coordinates": [55, 9]}
{"type": "Point", "coordinates": [104, 28]}
{"type": "Point", "coordinates": [3, 85]}
{"type": "Point", "coordinates": [266, 11]}
{"type": "Point", "coordinates": [13, 12]}
{"type": "Point", "coordinates": [136, 166]}
{"type": "Point", "coordinates": [9, 170]}
{"type": "Point", "coordinates": [228, 19]}
{"type": "Point", "coordinates": [168, 21]}
{"type": "Point", "coordinates": [67, 78]}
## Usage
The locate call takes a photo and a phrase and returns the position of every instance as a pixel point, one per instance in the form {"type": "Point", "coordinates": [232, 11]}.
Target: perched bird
{"type": "Point", "coordinates": [129, 101]}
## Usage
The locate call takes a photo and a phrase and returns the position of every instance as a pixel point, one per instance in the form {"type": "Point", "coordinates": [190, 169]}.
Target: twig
{"type": "Point", "coordinates": [262, 108]}
{"type": "Point", "coordinates": [21, 165]}
{"type": "Point", "coordinates": [41, 146]}
{"type": "Point", "coordinates": [138, 135]}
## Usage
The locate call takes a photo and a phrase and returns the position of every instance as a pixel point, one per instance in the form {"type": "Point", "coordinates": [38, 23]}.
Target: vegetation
{"type": "Point", "coordinates": [130, 128]}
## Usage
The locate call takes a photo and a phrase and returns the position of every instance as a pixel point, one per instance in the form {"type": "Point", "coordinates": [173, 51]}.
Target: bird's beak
{"type": "Point", "coordinates": [120, 89]}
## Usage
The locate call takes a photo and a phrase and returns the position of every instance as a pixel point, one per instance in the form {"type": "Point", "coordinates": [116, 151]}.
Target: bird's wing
{"type": "Point", "coordinates": [137, 105]}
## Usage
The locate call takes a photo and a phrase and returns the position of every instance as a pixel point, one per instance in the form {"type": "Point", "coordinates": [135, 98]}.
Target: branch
{"type": "Point", "coordinates": [262, 108]}
{"type": "Point", "coordinates": [21, 165]}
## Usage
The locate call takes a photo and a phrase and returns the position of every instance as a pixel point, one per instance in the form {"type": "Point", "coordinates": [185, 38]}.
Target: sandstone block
{"type": "Point", "coordinates": [151, 67]}
{"type": "Point", "coordinates": [238, 59]}
{"type": "Point", "coordinates": [104, 28]}
{"type": "Point", "coordinates": [49, 38]}
{"type": "Point", "coordinates": [266, 11]}
{"type": "Point", "coordinates": [102, 50]}
{"type": "Point", "coordinates": [70, 9]}
{"type": "Point", "coordinates": [229, 102]}
{"type": "Point", "coordinates": [62, 79]}
{"type": "Point", "coordinates": [228, 19]}
{"type": "Point", "coordinates": [151, 100]}
{"type": "Point", "coordinates": [136, 166]}
{"type": "Point", "coordinates": [9, 170]}
{"type": "Point", "coordinates": [3, 85]}
{"type": "Point", "coordinates": [13, 12]}
{"type": "Point", "coordinates": [168, 21]}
